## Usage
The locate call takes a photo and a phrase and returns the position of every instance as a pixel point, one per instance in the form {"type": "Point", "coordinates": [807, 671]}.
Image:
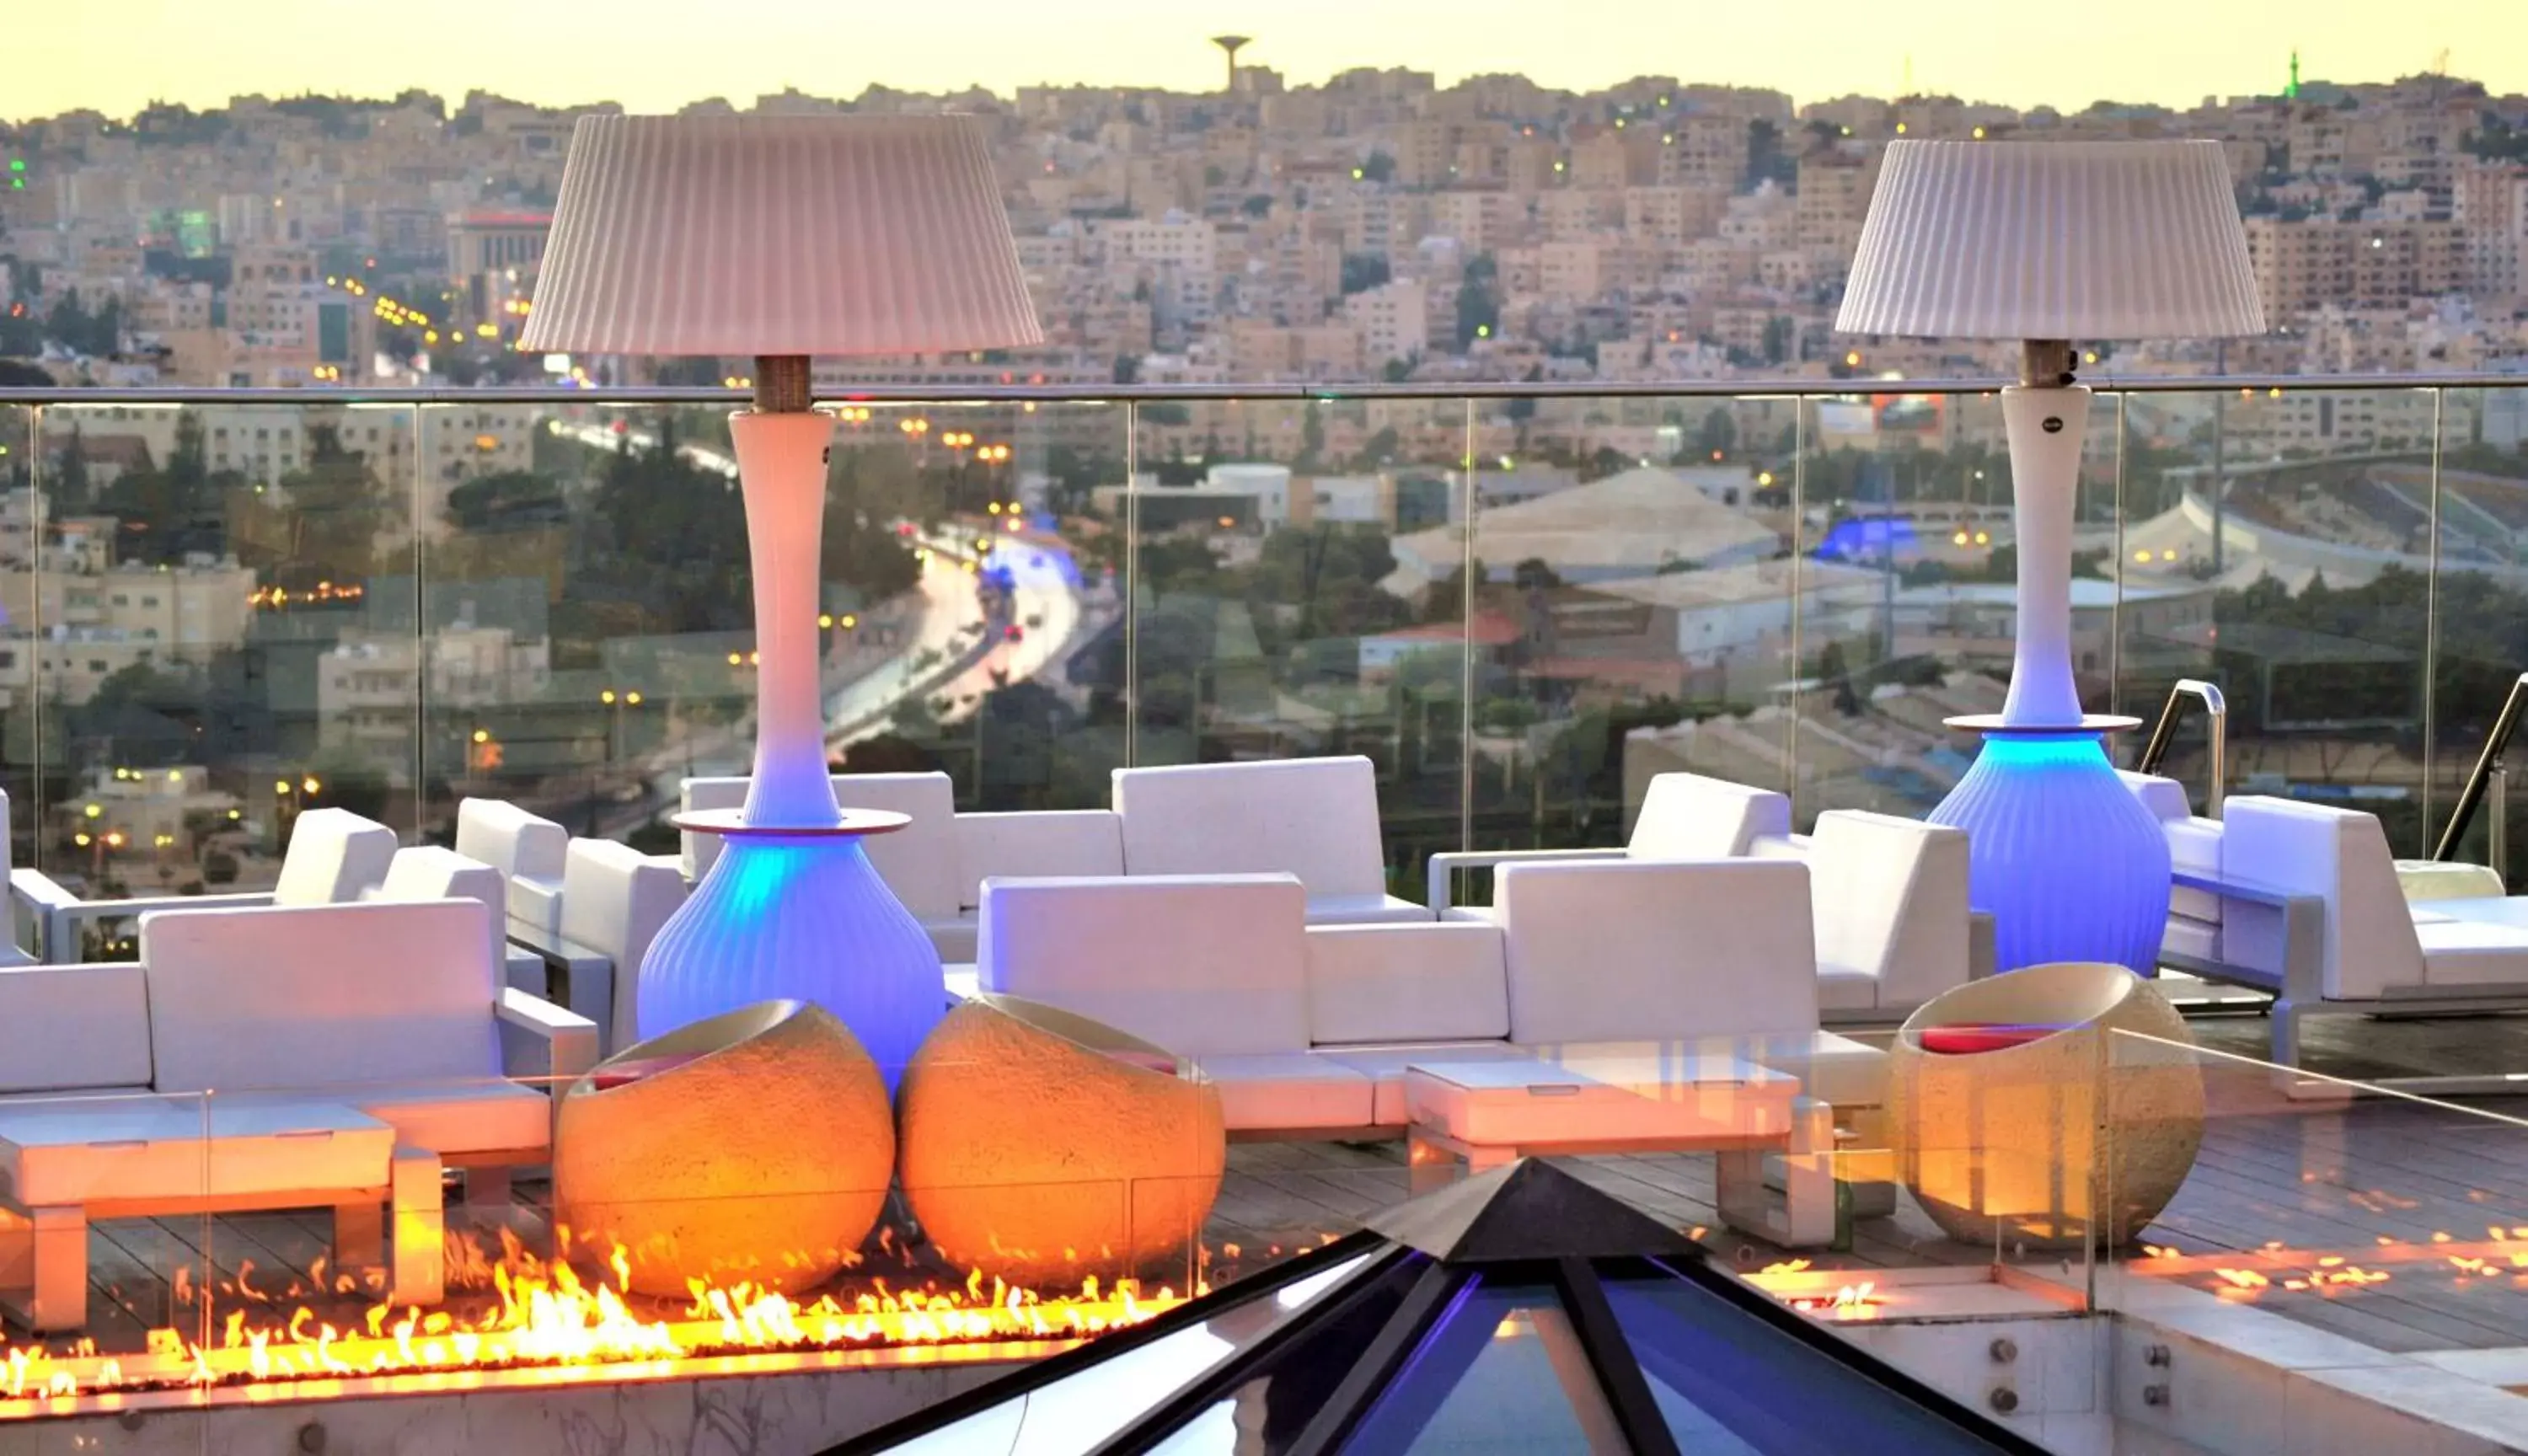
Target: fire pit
{"type": "Point", "coordinates": [514, 1316]}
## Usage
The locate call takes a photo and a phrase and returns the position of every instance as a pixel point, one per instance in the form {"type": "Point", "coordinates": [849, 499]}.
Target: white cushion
{"type": "Point", "coordinates": [1889, 898]}
{"type": "Point", "coordinates": [1846, 990]}
{"type": "Point", "coordinates": [1608, 949]}
{"type": "Point", "coordinates": [1384, 1066]}
{"type": "Point", "coordinates": [2342, 855]}
{"type": "Point", "coordinates": [1035, 845]}
{"type": "Point", "coordinates": [324, 996]}
{"type": "Point", "coordinates": [529, 851]}
{"type": "Point", "coordinates": [1364, 909]}
{"type": "Point", "coordinates": [2193, 846]}
{"type": "Point", "coordinates": [2165, 797]}
{"type": "Point", "coordinates": [453, 1119]}
{"type": "Point", "coordinates": [1202, 965]}
{"type": "Point", "coordinates": [2188, 936]}
{"type": "Point", "coordinates": [2473, 952]}
{"type": "Point", "coordinates": [2447, 879]}
{"type": "Point", "coordinates": [615, 900]}
{"type": "Point", "coordinates": [1689, 816]}
{"type": "Point", "coordinates": [1428, 981]}
{"type": "Point", "coordinates": [64, 1027]}
{"type": "Point", "coordinates": [918, 862]}
{"type": "Point", "coordinates": [334, 855]}
{"type": "Point", "coordinates": [1316, 818]}
{"type": "Point", "coordinates": [2492, 909]}
{"type": "Point", "coordinates": [72, 1151]}
{"type": "Point", "coordinates": [1288, 1091]}
{"type": "Point", "coordinates": [430, 873]}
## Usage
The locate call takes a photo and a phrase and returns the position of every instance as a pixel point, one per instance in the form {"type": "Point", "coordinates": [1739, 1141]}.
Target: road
{"type": "Point", "coordinates": [1042, 603]}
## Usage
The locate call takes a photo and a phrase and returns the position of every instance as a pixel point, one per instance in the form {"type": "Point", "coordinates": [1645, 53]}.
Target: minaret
{"type": "Point", "coordinates": [2290, 91]}
{"type": "Point", "coordinates": [1229, 45]}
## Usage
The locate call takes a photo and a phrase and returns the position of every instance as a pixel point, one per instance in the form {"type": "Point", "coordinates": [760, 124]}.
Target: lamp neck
{"type": "Point", "coordinates": [781, 385]}
{"type": "Point", "coordinates": [2043, 364]}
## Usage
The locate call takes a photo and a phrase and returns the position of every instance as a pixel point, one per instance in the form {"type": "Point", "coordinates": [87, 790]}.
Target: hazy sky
{"type": "Point", "coordinates": [116, 55]}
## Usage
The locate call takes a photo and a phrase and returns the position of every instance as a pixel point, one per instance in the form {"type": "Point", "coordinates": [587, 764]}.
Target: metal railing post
{"type": "Point", "coordinates": [2488, 768]}
{"type": "Point", "coordinates": [2498, 851]}
{"type": "Point", "coordinates": [2216, 715]}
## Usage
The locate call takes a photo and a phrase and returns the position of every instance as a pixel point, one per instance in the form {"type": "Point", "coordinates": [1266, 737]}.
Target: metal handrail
{"type": "Point", "coordinates": [947, 392]}
{"type": "Point", "coordinates": [2216, 710]}
{"type": "Point", "coordinates": [2488, 774]}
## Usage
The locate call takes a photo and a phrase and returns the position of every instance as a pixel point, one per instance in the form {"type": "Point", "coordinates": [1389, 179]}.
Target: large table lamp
{"type": "Point", "coordinates": [777, 238]}
{"type": "Point", "coordinates": [2053, 244]}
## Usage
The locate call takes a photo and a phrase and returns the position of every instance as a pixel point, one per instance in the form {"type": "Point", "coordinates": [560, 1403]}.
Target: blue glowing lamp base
{"type": "Point", "coordinates": [801, 916]}
{"type": "Point", "coordinates": [2063, 857]}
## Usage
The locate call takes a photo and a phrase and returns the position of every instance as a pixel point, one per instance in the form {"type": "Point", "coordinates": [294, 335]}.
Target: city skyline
{"type": "Point", "coordinates": [658, 61]}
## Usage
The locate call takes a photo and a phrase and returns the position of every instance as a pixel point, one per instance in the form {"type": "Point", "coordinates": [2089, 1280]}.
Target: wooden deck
{"type": "Point", "coordinates": [2376, 1182]}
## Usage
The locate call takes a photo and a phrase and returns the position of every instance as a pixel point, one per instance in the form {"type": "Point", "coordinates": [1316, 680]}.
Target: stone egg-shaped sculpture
{"type": "Point", "coordinates": [755, 1146]}
{"type": "Point", "coordinates": [1042, 1148]}
{"type": "Point", "coordinates": [2080, 1125]}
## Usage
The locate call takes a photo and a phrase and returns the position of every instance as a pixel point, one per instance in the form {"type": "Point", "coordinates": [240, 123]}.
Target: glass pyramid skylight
{"type": "Point", "coordinates": [1518, 1312]}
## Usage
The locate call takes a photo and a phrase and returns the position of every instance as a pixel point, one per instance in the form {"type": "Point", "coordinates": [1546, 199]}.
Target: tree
{"type": "Point", "coordinates": [1379, 168]}
{"type": "Point", "coordinates": [68, 323]}
{"type": "Point", "coordinates": [1478, 312]}
{"type": "Point", "coordinates": [1127, 369]}
{"type": "Point", "coordinates": [507, 502]}
{"type": "Point", "coordinates": [1719, 434]}
{"type": "Point", "coordinates": [1778, 339]}
{"type": "Point", "coordinates": [333, 512]}
{"type": "Point", "coordinates": [1534, 574]}
{"type": "Point", "coordinates": [178, 508]}
{"type": "Point", "coordinates": [69, 483]}
{"type": "Point", "coordinates": [1312, 439]}
{"type": "Point", "coordinates": [1362, 271]}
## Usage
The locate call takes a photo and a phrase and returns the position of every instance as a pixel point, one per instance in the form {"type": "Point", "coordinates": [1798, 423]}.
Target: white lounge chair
{"type": "Point", "coordinates": [334, 858]}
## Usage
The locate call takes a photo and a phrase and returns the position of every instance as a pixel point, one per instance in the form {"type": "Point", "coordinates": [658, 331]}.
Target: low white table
{"type": "Point", "coordinates": [1486, 1113]}
{"type": "Point", "coordinates": [64, 1160]}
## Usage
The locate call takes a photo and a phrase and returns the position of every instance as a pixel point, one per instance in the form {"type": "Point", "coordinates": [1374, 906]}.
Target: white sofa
{"type": "Point", "coordinates": [334, 856]}
{"type": "Point", "coordinates": [1892, 920]}
{"type": "Point", "coordinates": [1683, 816]}
{"type": "Point", "coordinates": [303, 1040]}
{"type": "Point", "coordinates": [2310, 908]}
{"type": "Point", "coordinates": [1313, 818]}
{"type": "Point", "coordinates": [1316, 818]}
{"type": "Point", "coordinates": [1308, 1030]}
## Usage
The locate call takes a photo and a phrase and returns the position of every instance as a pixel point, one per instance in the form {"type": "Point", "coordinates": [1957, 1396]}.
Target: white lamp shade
{"type": "Point", "coordinates": [2053, 240]}
{"type": "Point", "coordinates": [769, 236]}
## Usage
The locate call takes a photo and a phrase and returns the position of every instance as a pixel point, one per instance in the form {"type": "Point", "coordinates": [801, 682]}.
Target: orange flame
{"type": "Point", "coordinates": [547, 1315]}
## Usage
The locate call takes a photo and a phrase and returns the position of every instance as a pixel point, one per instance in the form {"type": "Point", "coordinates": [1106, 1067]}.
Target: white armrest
{"type": "Point", "coordinates": [553, 1043]}
{"type": "Point", "coordinates": [1444, 867]}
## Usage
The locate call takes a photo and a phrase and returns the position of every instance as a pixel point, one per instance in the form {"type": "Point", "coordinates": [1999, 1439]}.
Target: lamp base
{"type": "Point", "coordinates": [799, 917]}
{"type": "Point", "coordinates": [2063, 857]}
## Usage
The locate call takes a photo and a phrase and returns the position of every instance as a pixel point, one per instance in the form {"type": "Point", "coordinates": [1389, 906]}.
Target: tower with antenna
{"type": "Point", "coordinates": [1230, 45]}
